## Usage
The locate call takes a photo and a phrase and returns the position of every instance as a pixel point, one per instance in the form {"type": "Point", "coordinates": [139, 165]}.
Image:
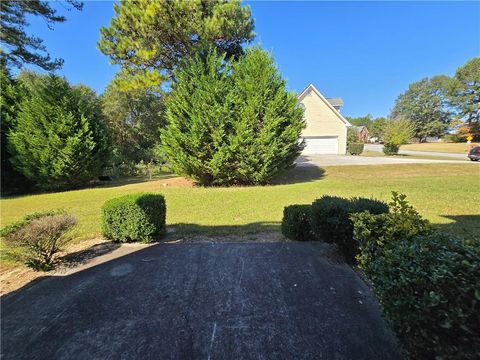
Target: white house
{"type": "Point", "coordinates": [326, 128]}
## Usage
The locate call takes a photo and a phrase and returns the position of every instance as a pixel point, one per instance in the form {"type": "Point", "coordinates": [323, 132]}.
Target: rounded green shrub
{"type": "Point", "coordinates": [134, 217]}
{"type": "Point", "coordinates": [331, 222]}
{"type": "Point", "coordinates": [296, 222]}
{"type": "Point", "coordinates": [390, 149]}
{"type": "Point", "coordinates": [355, 148]}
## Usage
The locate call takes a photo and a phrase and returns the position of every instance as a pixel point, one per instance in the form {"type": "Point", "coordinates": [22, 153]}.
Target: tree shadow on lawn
{"type": "Point", "coordinates": [463, 225]}
{"type": "Point", "coordinates": [300, 174]}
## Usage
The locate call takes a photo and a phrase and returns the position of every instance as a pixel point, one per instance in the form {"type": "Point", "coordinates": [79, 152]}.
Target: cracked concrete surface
{"type": "Point", "coordinates": [200, 301]}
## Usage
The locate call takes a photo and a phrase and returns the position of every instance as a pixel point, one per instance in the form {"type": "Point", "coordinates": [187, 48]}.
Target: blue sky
{"type": "Point", "coordinates": [365, 52]}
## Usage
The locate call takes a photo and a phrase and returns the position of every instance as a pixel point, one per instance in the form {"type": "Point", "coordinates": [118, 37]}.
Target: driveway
{"type": "Point", "coordinates": [200, 301]}
{"type": "Point", "coordinates": [379, 148]}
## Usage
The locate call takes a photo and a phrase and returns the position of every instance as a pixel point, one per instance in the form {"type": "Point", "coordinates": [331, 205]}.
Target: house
{"type": "Point", "coordinates": [362, 133]}
{"type": "Point", "coordinates": [326, 128]}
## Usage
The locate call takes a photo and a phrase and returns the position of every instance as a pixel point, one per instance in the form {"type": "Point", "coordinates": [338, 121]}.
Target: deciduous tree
{"type": "Point", "coordinates": [425, 105]}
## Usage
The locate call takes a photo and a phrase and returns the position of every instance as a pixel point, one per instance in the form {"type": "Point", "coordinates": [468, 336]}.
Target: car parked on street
{"type": "Point", "coordinates": [474, 153]}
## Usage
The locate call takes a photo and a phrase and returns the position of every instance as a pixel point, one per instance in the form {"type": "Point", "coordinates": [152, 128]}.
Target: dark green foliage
{"type": "Point", "coordinates": [11, 180]}
{"type": "Point", "coordinates": [429, 289]}
{"type": "Point", "coordinates": [18, 47]}
{"type": "Point", "coordinates": [296, 222]}
{"type": "Point", "coordinates": [232, 124]}
{"type": "Point", "coordinates": [60, 139]}
{"type": "Point", "coordinates": [331, 221]}
{"type": "Point", "coordinates": [355, 148]}
{"type": "Point", "coordinates": [134, 119]}
{"type": "Point", "coordinates": [425, 105]}
{"type": "Point", "coordinates": [41, 237]}
{"type": "Point", "coordinates": [390, 149]}
{"type": "Point", "coordinates": [134, 217]}
{"type": "Point", "coordinates": [377, 232]}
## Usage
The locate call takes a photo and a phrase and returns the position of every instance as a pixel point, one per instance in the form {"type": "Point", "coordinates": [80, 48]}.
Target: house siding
{"type": "Point", "coordinates": [322, 121]}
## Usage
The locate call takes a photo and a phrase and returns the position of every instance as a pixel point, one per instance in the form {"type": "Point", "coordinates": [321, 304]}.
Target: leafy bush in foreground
{"type": "Point", "coordinates": [296, 222]}
{"type": "Point", "coordinates": [134, 217]}
{"type": "Point", "coordinates": [377, 233]}
{"type": "Point", "coordinates": [11, 228]}
{"type": "Point", "coordinates": [429, 289]}
{"type": "Point", "coordinates": [42, 238]}
{"type": "Point", "coordinates": [331, 221]}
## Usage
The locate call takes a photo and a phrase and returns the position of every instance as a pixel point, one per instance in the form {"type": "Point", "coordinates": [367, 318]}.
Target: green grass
{"type": "Point", "coordinates": [444, 193]}
{"type": "Point", "coordinates": [460, 148]}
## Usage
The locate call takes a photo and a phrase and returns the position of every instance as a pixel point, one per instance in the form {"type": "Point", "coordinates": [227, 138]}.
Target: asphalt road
{"type": "Point", "coordinates": [379, 148]}
{"type": "Point", "coordinates": [200, 301]}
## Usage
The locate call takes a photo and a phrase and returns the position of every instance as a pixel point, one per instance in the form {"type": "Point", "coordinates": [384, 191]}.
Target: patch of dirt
{"type": "Point", "coordinates": [174, 182]}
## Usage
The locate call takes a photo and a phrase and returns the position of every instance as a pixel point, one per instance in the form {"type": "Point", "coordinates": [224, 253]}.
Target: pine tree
{"type": "Point", "coordinates": [231, 124]}
{"type": "Point", "coordinates": [60, 140]}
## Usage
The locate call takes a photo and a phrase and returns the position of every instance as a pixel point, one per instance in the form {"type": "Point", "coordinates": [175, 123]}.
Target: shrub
{"type": "Point", "coordinates": [428, 288]}
{"type": "Point", "coordinates": [296, 222]}
{"type": "Point", "coordinates": [331, 221]}
{"type": "Point", "coordinates": [134, 217]}
{"type": "Point", "coordinates": [27, 219]}
{"type": "Point", "coordinates": [42, 238]}
{"type": "Point", "coordinates": [377, 232]}
{"type": "Point", "coordinates": [234, 123]}
{"type": "Point", "coordinates": [60, 139]}
{"type": "Point", "coordinates": [355, 148]}
{"type": "Point", "coordinates": [390, 149]}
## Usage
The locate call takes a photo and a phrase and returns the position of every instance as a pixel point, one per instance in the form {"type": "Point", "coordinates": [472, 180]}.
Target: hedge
{"type": "Point", "coordinates": [134, 217]}
{"type": "Point", "coordinates": [331, 221]}
{"type": "Point", "coordinates": [296, 222]}
{"type": "Point", "coordinates": [355, 148]}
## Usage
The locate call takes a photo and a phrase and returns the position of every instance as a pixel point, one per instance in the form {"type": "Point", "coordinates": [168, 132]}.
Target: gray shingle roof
{"type": "Point", "coordinates": [335, 101]}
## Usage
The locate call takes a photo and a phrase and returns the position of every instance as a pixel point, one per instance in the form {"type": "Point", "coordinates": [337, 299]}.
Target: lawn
{"type": "Point", "coordinates": [460, 148]}
{"type": "Point", "coordinates": [443, 193]}
{"type": "Point", "coordinates": [369, 153]}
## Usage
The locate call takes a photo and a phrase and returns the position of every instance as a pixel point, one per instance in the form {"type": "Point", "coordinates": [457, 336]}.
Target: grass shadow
{"type": "Point", "coordinates": [300, 174]}
{"type": "Point", "coordinates": [462, 225]}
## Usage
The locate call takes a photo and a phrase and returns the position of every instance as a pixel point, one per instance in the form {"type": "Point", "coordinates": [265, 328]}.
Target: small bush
{"type": "Point", "coordinates": [355, 148]}
{"type": "Point", "coordinates": [428, 288]}
{"type": "Point", "coordinates": [42, 238]}
{"type": "Point", "coordinates": [376, 232]}
{"type": "Point", "coordinates": [296, 222]}
{"type": "Point", "coordinates": [331, 221]}
{"type": "Point", "coordinates": [135, 217]}
{"type": "Point", "coordinates": [27, 219]}
{"type": "Point", "coordinates": [390, 149]}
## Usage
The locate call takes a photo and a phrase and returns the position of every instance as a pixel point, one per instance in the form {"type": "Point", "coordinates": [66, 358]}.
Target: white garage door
{"type": "Point", "coordinates": [321, 145]}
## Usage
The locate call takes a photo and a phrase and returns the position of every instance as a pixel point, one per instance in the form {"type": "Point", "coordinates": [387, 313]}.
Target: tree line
{"type": "Point", "coordinates": [187, 90]}
{"type": "Point", "coordinates": [436, 107]}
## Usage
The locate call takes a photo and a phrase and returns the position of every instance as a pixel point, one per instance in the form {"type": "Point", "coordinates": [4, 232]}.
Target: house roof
{"type": "Point", "coordinates": [327, 102]}
{"type": "Point", "coordinates": [335, 101]}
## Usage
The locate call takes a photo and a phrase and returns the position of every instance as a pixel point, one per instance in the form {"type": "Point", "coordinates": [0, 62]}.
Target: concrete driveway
{"type": "Point", "coordinates": [200, 301]}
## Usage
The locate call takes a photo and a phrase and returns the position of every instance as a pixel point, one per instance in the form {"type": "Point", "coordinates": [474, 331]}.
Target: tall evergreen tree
{"type": "Point", "coordinates": [18, 47]}
{"type": "Point", "coordinates": [60, 140]}
{"type": "Point", "coordinates": [10, 95]}
{"type": "Point", "coordinates": [232, 124]}
{"type": "Point", "coordinates": [148, 39]}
